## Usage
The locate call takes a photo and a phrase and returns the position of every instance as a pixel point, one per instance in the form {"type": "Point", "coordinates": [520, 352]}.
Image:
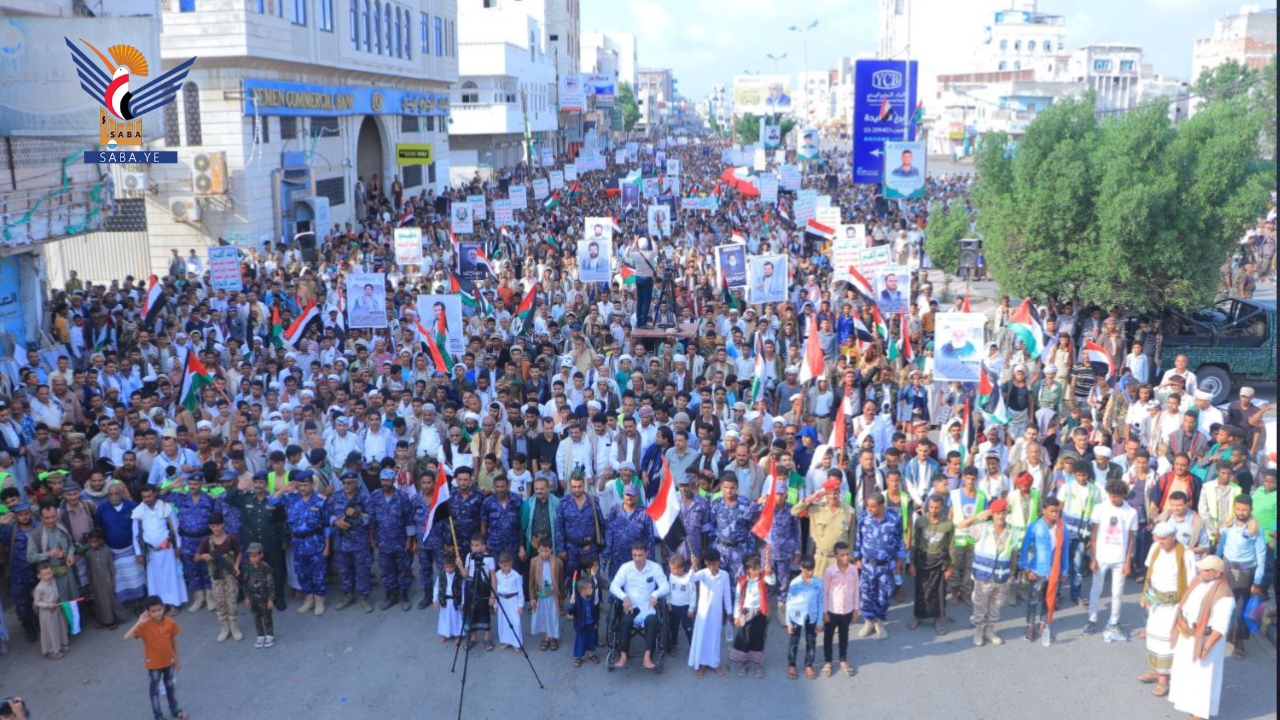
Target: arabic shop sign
{"type": "Point", "coordinates": [271, 97]}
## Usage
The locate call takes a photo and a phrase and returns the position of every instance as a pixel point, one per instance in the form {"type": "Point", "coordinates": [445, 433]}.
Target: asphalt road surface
{"type": "Point", "coordinates": [390, 665]}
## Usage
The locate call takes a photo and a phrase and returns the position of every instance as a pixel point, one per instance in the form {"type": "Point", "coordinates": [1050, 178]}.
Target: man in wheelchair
{"type": "Point", "coordinates": [637, 590]}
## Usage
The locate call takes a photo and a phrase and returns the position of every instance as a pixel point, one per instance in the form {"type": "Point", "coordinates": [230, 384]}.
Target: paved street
{"type": "Point", "coordinates": [389, 664]}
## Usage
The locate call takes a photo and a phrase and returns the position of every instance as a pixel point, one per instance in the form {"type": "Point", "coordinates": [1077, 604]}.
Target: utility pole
{"type": "Point", "coordinates": [804, 122]}
{"type": "Point", "coordinates": [775, 59]}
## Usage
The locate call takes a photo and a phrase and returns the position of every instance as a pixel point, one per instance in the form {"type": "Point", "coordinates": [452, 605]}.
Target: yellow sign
{"type": "Point", "coordinates": [414, 154]}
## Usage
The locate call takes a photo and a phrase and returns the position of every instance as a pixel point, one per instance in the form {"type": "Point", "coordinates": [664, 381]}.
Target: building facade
{"type": "Point", "coordinates": [623, 45]}
{"type": "Point", "coordinates": [1248, 37]}
{"type": "Point", "coordinates": [1022, 38]}
{"type": "Point", "coordinates": [655, 91]}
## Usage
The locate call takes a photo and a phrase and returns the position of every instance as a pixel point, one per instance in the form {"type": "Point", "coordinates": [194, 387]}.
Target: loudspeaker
{"type": "Point", "coordinates": [968, 254]}
{"type": "Point", "coordinates": [442, 205]}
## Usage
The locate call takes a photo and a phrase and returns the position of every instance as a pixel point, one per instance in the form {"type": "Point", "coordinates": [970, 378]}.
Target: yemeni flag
{"type": "Point", "coordinates": [153, 303]}
{"type": "Point", "coordinates": [782, 214]}
{"type": "Point", "coordinates": [860, 283]}
{"type": "Point", "coordinates": [757, 382]}
{"type": "Point", "coordinates": [277, 328]}
{"type": "Point", "coordinates": [813, 227]}
{"type": "Point", "coordinates": [523, 318]}
{"type": "Point", "coordinates": [664, 510]}
{"type": "Point", "coordinates": [908, 353]}
{"type": "Point", "coordinates": [1024, 323]}
{"type": "Point", "coordinates": [194, 377]}
{"type": "Point", "coordinates": [406, 218]}
{"type": "Point", "coordinates": [299, 327]}
{"type": "Point", "coordinates": [439, 506]}
{"type": "Point", "coordinates": [812, 364]}
{"type": "Point", "coordinates": [991, 400]}
{"type": "Point", "coordinates": [1098, 358]}
{"type": "Point", "coordinates": [886, 110]}
{"type": "Point", "coordinates": [482, 260]}
{"type": "Point", "coordinates": [439, 357]}
{"type": "Point", "coordinates": [764, 524]}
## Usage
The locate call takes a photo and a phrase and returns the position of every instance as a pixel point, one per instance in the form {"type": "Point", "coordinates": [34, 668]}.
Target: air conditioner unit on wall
{"type": "Point", "coordinates": [133, 182]}
{"type": "Point", "coordinates": [209, 173]}
{"type": "Point", "coordinates": [185, 209]}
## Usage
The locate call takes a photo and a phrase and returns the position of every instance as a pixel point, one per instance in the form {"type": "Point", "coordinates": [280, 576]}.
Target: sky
{"type": "Point", "coordinates": [706, 42]}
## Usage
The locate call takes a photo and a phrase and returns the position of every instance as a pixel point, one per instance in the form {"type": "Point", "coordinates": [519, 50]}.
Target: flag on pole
{"type": "Point", "coordinates": [482, 260]}
{"type": "Point", "coordinates": [840, 430]}
{"type": "Point", "coordinates": [664, 511]}
{"type": "Point", "coordinates": [523, 318]}
{"type": "Point", "coordinates": [813, 227]}
{"type": "Point", "coordinates": [881, 329]}
{"type": "Point", "coordinates": [102, 336]}
{"type": "Point", "coordinates": [439, 505]}
{"type": "Point", "coordinates": [757, 382]}
{"type": "Point", "coordinates": [1098, 358]}
{"type": "Point", "coordinates": [194, 377]}
{"type": "Point", "coordinates": [468, 298]}
{"type": "Point", "coordinates": [966, 434]}
{"type": "Point", "coordinates": [277, 328]}
{"type": "Point", "coordinates": [1025, 324]}
{"type": "Point", "coordinates": [299, 327]}
{"type": "Point", "coordinates": [860, 283]}
{"type": "Point", "coordinates": [811, 365]}
{"type": "Point", "coordinates": [991, 400]}
{"type": "Point", "coordinates": [439, 357]}
{"type": "Point", "coordinates": [153, 303]}
{"type": "Point", "coordinates": [71, 612]}
{"type": "Point", "coordinates": [764, 524]}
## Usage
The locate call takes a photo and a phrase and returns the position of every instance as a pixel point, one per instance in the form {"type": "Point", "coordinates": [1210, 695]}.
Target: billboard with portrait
{"type": "Point", "coordinates": [958, 341]}
{"type": "Point", "coordinates": [442, 315]}
{"type": "Point", "coordinates": [762, 94]}
{"type": "Point", "coordinates": [767, 278]}
{"type": "Point", "coordinates": [366, 300]}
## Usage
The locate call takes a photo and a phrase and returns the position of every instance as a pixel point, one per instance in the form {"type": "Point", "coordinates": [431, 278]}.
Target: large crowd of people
{"type": "Point", "coordinates": [183, 448]}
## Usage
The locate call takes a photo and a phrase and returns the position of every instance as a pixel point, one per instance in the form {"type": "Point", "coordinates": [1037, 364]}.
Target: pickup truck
{"type": "Point", "coordinates": [1228, 344]}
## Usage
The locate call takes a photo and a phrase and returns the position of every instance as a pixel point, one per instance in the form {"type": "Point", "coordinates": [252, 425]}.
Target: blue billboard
{"type": "Point", "coordinates": [884, 102]}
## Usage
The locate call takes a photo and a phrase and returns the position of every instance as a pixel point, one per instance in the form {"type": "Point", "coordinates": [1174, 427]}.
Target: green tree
{"type": "Point", "coordinates": [626, 101]}
{"type": "Point", "coordinates": [1128, 210]}
{"type": "Point", "coordinates": [748, 128]}
{"type": "Point", "coordinates": [714, 125]}
{"type": "Point", "coordinates": [946, 227]}
{"type": "Point", "coordinates": [1224, 82]}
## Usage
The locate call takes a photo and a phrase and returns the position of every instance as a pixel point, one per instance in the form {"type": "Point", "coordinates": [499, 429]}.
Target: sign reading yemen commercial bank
{"type": "Point", "coordinates": [273, 97]}
{"type": "Point", "coordinates": [125, 99]}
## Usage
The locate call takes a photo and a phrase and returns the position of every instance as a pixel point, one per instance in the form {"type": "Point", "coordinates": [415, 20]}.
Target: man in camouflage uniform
{"type": "Point", "coordinates": [628, 524]}
{"type": "Point", "coordinates": [732, 517]}
{"type": "Point", "coordinates": [500, 518]}
{"type": "Point", "coordinates": [351, 540]}
{"type": "Point", "coordinates": [263, 523]}
{"type": "Point", "coordinates": [193, 509]}
{"type": "Point", "coordinates": [306, 517]}
{"type": "Point", "coordinates": [391, 523]}
{"type": "Point", "coordinates": [579, 526]}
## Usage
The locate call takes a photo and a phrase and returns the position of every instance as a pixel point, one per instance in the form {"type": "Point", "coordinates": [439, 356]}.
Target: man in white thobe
{"type": "Point", "coordinates": [1199, 641]}
{"type": "Point", "coordinates": [157, 544]}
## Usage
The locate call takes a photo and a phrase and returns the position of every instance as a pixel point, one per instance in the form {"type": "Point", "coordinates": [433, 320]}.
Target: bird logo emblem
{"type": "Point", "coordinates": [122, 102]}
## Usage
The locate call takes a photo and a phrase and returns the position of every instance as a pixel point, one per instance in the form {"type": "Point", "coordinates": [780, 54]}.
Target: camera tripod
{"type": "Point", "coordinates": [479, 579]}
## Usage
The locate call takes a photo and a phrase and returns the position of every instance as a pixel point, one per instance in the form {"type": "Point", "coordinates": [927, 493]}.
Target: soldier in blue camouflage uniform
{"type": "Point", "coordinates": [464, 507]}
{"type": "Point", "coordinates": [22, 578]}
{"type": "Point", "coordinates": [732, 517]}
{"type": "Point", "coordinates": [431, 547]}
{"type": "Point", "coordinates": [230, 513]}
{"type": "Point", "coordinates": [193, 509]}
{"type": "Point", "coordinates": [628, 523]}
{"type": "Point", "coordinates": [307, 518]}
{"type": "Point", "coordinates": [500, 518]}
{"type": "Point", "coordinates": [878, 550]}
{"type": "Point", "coordinates": [579, 526]}
{"type": "Point", "coordinates": [391, 522]}
{"type": "Point", "coordinates": [695, 514]}
{"type": "Point", "coordinates": [351, 541]}
{"type": "Point", "coordinates": [783, 541]}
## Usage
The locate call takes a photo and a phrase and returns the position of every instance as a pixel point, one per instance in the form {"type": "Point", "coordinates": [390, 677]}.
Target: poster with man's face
{"type": "Point", "coordinates": [731, 265]}
{"type": "Point", "coordinates": [767, 279]}
{"type": "Point", "coordinates": [471, 263]}
{"type": "Point", "coordinates": [442, 315]}
{"type": "Point", "coordinates": [892, 287]}
{"type": "Point", "coordinates": [958, 340]}
{"type": "Point", "coordinates": [366, 300]}
{"type": "Point", "coordinates": [659, 217]}
{"type": "Point", "coordinates": [594, 254]}
{"type": "Point", "coordinates": [904, 170]}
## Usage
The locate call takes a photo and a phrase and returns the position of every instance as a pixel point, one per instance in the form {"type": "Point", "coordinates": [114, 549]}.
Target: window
{"type": "Point", "coordinates": [367, 34]}
{"type": "Point", "coordinates": [299, 12]}
{"type": "Point", "coordinates": [172, 138]}
{"type": "Point", "coordinates": [533, 47]}
{"type": "Point", "coordinates": [1102, 66]}
{"type": "Point", "coordinates": [386, 30]}
{"type": "Point", "coordinates": [1003, 65]}
{"type": "Point", "coordinates": [129, 215]}
{"type": "Point", "coordinates": [491, 3]}
{"type": "Point", "coordinates": [470, 93]}
{"type": "Point", "coordinates": [431, 173]}
{"type": "Point", "coordinates": [406, 36]}
{"type": "Point", "coordinates": [333, 188]}
{"type": "Point", "coordinates": [355, 24]}
{"type": "Point", "coordinates": [377, 27]}
{"type": "Point", "coordinates": [425, 30]}
{"type": "Point", "coordinates": [1048, 46]}
{"type": "Point", "coordinates": [186, 5]}
{"type": "Point", "coordinates": [288, 128]}
{"type": "Point", "coordinates": [324, 127]}
{"type": "Point", "coordinates": [408, 123]}
{"type": "Point", "coordinates": [431, 124]}
{"type": "Point", "coordinates": [1017, 46]}
{"type": "Point", "coordinates": [439, 28]}
{"type": "Point", "coordinates": [326, 15]}
{"type": "Point", "coordinates": [412, 175]}
{"type": "Point", "coordinates": [1004, 45]}
{"type": "Point", "coordinates": [399, 37]}
{"type": "Point", "coordinates": [1126, 66]}
{"type": "Point", "coordinates": [191, 111]}
{"type": "Point", "coordinates": [262, 130]}
{"type": "Point", "coordinates": [1017, 64]}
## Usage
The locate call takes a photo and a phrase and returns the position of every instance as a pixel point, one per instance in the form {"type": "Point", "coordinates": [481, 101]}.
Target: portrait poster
{"type": "Point", "coordinates": [767, 280]}
{"type": "Point", "coordinates": [958, 341]}
{"type": "Point", "coordinates": [442, 315]}
{"type": "Point", "coordinates": [659, 220]}
{"type": "Point", "coordinates": [893, 283]}
{"type": "Point", "coordinates": [731, 265]}
{"type": "Point", "coordinates": [594, 256]}
{"type": "Point", "coordinates": [904, 170]}
{"type": "Point", "coordinates": [471, 263]}
{"type": "Point", "coordinates": [366, 300]}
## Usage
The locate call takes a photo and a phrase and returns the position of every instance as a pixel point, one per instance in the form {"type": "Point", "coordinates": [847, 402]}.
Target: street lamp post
{"type": "Point", "coordinates": [775, 59]}
{"type": "Point", "coordinates": [804, 32]}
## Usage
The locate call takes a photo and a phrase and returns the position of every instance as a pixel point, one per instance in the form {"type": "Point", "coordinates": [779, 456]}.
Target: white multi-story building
{"type": "Point", "coordinates": [623, 45]}
{"type": "Point", "coordinates": [564, 37]}
{"type": "Point", "coordinates": [1112, 70]}
{"type": "Point", "coordinates": [1022, 38]}
{"type": "Point", "coordinates": [655, 91]}
{"type": "Point", "coordinates": [815, 96]}
{"type": "Point", "coordinates": [1248, 37]}
{"type": "Point", "coordinates": [506, 86]}
{"type": "Point", "coordinates": [941, 35]}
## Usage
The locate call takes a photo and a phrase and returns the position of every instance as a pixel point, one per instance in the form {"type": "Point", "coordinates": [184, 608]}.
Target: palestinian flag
{"type": "Point", "coordinates": [764, 524]}
{"type": "Point", "coordinates": [523, 318]}
{"type": "Point", "coordinates": [468, 298]}
{"type": "Point", "coordinates": [102, 336]}
{"type": "Point", "coordinates": [918, 116]}
{"type": "Point", "coordinates": [153, 303]}
{"type": "Point", "coordinates": [194, 377]}
{"type": "Point", "coordinates": [627, 274]}
{"type": "Point", "coordinates": [277, 328]}
{"type": "Point", "coordinates": [664, 511]}
{"type": "Point", "coordinates": [1024, 323]}
{"type": "Point", "coordinates": [552, 202]}
{"type": "Point", "coordinates": [1099, 359]}
{"type": "Point", "coordinates": [730, 300]}
{"type": "Point", "coordinates": [406, 218]}
{"type": "Point", "coordinates": [881, 328]}
{"type": "Point", "coordinates": [438, 506]}
{"type": "Point", "coordinates": [551, 240]}
{"type": "Point", "coordinates": [991, 400]}
{"type": "Point", "coordinates": [860, 283]}
{"type": "Point", "coordinates": [439, 356]}
{"type": "Point", "coordinates": [811, 365]}
{"type": "Point", "coordinates": [300, 326]}
{"type": "Point", "coordinates": [813, 227]}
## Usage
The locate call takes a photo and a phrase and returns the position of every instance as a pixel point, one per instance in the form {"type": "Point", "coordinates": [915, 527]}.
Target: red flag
{"type": "Point", "coordinates": [764, 523]}
{"type": "Point", "coordinates": [436, 357]}
{"type": "Point", "coordinates": [811, 365]}
{"type": "Point", "coordinates": [908, 353]}
{"type": "Point", "coordinates": [964, 307]}
{"type": "Point", "coordinates": [839, 432]}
